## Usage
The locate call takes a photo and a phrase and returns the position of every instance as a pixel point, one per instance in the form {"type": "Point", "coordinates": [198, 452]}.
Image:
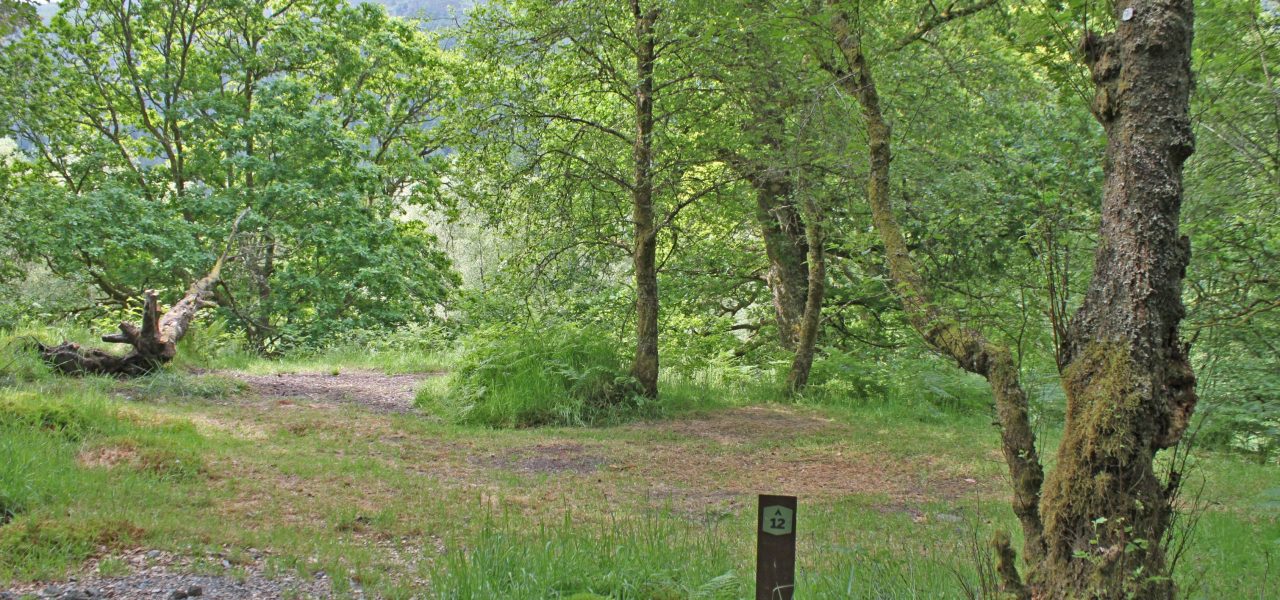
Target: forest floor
{"type": "Point", "coordinates": [320, 483]}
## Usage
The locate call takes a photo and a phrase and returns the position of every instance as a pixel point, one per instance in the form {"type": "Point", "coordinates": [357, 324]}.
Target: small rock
{"type": "Point", "coordinates": [226, 564]}
{"type": "Point", "coordinates": [153, 555]}
{"type": "Point", "coordinates": [178, 595]}
{"type": "Point", "coordinates": [949, 518]}
{"type": "Point", "coordinates": [75, 595]}
{"type": "Point", "coordinates": [51, 592]}
{"type": "Point", "coordinates": [194, 591]}
{"type": "Point", "coordinates": [8, 596]}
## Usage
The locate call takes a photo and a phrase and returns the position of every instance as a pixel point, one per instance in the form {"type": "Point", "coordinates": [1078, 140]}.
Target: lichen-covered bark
{"type": "Point", "coordinates": [644, 253]}
{"type": "Point", "coordinates": [1130, 389]}
{"type": "Point", "coordinates": [968, 347]}
{"type": "Point", "coordinates": [811, 325]}
{"type": "Point", "coordinates": [786, 247]}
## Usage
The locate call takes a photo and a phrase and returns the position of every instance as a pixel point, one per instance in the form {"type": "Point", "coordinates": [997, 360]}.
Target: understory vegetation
{"type": "Point", "coordinates": [899, 489]}
{"type": "Point", "coordinates": [531, 301]}
{"type": "Point", "coordinates": [540, 374]}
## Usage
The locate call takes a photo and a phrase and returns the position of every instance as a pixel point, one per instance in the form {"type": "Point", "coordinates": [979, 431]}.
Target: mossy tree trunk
{"type": "Point", "coordinates": [1097, 531]}
{"type": "Point", "coordinates": [1130, 389]}
{"type": "Point", "coordinates": [786, 247]}
{"type": "Point", "coordinates": [816, 278]}
{"type": "Point", "coordinates": [644, 252]}
{"type": "Point", "coordinates": [970, 349]}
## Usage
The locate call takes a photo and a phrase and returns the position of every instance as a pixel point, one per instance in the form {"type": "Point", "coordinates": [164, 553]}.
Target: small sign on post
{"type": "Point", "coordinates": [776, 548]}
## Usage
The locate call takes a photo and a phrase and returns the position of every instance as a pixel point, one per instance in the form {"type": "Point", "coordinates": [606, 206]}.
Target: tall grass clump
{"type": "Point", "coordinates": [545, 374]}
{"type": "Point", "coordinates": [649, 558]}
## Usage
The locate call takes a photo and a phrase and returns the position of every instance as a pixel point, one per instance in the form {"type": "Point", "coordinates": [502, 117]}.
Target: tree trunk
{"type": "Point", "coordinates": [1130, 389]}
{"type": "Point", "coordinates": [798, 378]}
{"type": "Point", "coordinates": [155, 343]}
{"type": "Point", "coordinates": [969, 348]}
{"type": "Point", "coordinates": [644, 253]}
{"type": "Point", "coordinates": [785, 246]}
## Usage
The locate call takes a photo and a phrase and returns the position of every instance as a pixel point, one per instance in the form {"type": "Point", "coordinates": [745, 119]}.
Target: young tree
{"type": "Point", "coordinates": [777, 156]}
{"type": "Point", "coordinates": [591, 114]}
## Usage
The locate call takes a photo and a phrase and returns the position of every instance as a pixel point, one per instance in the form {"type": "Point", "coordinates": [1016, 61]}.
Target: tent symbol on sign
{"type": "Point", "coordinates": [778, 520]}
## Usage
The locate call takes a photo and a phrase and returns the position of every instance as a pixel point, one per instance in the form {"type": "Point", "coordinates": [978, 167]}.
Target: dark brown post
{"type": "Point", "coordinates": [776, 548]}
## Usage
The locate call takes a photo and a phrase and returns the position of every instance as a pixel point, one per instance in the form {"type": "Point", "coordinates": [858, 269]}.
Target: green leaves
{"type": "Point", "coordinates": [147, 126]}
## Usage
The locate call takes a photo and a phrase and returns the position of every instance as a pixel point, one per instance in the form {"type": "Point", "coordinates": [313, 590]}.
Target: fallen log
{"type": "Point", "coordinates": [154, 343]}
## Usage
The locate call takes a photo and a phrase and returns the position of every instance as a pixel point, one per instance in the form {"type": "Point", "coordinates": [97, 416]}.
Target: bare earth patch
{"type": "Point", "coordinates": [750, 424]}
{"type": "Point", "coordinates": [551, 458]}
{"type": "Point", "coordinates": [107, 457]}
{"type": "Point", "coordinates": [373, 390]}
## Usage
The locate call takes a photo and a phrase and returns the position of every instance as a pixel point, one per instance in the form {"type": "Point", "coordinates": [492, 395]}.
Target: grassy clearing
{"type": "Point", "coordinates": [896, 501]}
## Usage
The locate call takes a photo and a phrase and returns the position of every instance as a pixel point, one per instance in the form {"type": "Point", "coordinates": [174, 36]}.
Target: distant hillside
{"type": "Point", "coordinates": [427, 10]}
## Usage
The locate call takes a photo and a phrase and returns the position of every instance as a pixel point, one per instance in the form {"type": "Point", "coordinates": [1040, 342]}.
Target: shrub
{"type": "Point", "coordinates": [544, 374]}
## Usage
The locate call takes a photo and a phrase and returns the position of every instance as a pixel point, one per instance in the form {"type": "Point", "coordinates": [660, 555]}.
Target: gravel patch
{"type": "Point", "coordinates": [155, 575]}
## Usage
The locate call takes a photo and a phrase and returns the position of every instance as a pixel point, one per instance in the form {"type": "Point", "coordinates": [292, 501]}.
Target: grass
{"type": "Point", "coordinates": [896, 501]}
{"type": "Point", "coordinates": [510, 376]}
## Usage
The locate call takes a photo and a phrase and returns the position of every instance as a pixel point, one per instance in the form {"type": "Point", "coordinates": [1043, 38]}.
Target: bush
{"type": "Point", "coordinates": [544, 374]}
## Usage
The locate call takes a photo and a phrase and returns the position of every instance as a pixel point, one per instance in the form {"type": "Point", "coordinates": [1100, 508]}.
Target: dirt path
{"type": "Point", "coordinates": [377, 470]}
{"type": "Point", "coordinates": [373, 390]}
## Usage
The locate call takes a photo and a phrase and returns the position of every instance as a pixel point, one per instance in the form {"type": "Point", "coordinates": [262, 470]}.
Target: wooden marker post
{"type": "Point", "coordinates": [776, 548]}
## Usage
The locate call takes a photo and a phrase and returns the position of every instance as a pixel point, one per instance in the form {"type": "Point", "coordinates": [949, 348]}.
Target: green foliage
{"type": "Point", "coordinates": [1231, 218]}
{"type": "Point", "coordinates": [15, 15]}
{"type": "Point", "coordinates": [534, 375]}
{"type": "Point", "coordinates": [658, 558]}
{"type": "Point", "coordinates": [928, 388]}
{"type": "Point", "coordinates": [138, 146]}
{"type": "Point", "coordinates": [1241, 409]}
